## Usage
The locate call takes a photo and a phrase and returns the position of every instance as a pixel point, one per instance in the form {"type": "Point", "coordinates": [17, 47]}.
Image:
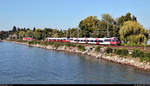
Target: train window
{"type": "Point", "coordinates": [107, 40]}
{"type": "Point", "coordinates": [113, 40]}
{"type": "Point", "coordinates": [100, 40]}
{"type": "Point", "coordinates": [91, 40]}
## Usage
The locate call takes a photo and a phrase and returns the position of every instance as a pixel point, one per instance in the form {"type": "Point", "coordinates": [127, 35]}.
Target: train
{"type": "Point", "coordinates": [101, 41]}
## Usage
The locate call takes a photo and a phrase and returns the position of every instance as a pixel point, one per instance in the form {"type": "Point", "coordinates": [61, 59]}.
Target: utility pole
{"type": "Point", "coordinates": [78, 32]}
{"type": "Point", "coordinates": [107, 30]}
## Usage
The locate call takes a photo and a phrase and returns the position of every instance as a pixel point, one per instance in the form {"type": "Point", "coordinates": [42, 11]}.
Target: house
{"type": "Point", "coordinates": [14, 36]}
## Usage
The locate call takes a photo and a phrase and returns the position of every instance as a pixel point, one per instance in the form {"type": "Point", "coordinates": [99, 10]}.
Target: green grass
{"type": "Point", "coordinates": [122, 52]}
{"type": "Point", "coordinates": [81, 47]}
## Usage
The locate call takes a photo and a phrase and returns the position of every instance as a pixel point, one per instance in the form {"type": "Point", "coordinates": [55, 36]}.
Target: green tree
{"type": "Point", "coordinates": [133, 33]}
{"type": "Point", "coordinates": [21, 34]}
{"type": "Point", "coordinates": [38, 34]}
{"type": "Point", "coordinates": [29, 33]}
{"type": "Point", "coordinates": [48, 32]}
{"type": "Point", "coordinates": [108, 26]}
{"type": "Point", "coordinates": [125, 18]}
{"type": "Point", "coordinates": [14, 29]}
{"type": "Point", "coordinates": [101, 29]}
{"type": "Point", "coordinates": [88, 26]}
{"type": "Point", "coordinates": [54, 33]}
{"type": "Point", "coordinates": [107, 18]}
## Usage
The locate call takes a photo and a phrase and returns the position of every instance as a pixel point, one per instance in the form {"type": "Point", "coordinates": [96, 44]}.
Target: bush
{"type": "Point", "coordinates": [147, 55]}
{"type": "Point", "coordinates": [70, 45]}
{"type": "Point", "coordinates": [137, 53]}
{"type": "Point", "coordinates": [33, 42]}
{"type": "Point", "coordinates": [82, 48]}
{"type": "Point", "coordinates": [147, 59]}
{"type": "Point", "coordinates": [97, 49]}
{"type": "Point", "coordinates": [57, 44]}
{"type": "Point", "coordinates": [122, 52]}
{"type": "Point", "coordinates": [109, 50]}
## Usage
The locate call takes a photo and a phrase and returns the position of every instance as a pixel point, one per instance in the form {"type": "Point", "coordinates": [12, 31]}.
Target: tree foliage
{"type": "Point", "coordinates": [88, 25]}
{"type": "Point", "coordinates": [125, 18]}
{"type": "Point", "coordinates": [133, 33]}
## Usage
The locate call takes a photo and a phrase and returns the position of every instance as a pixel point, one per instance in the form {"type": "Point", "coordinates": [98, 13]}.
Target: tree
{"type": "Point", "coordinates": [61, 34]}
{"type": "Point", "coordinates": [74, 32]}
{"type": "Point", "coordinates": [37, 34]}
{"type": "Point", "coordinates": [29, 33]}
{"type": "Point", "coordinates": [14, 29]}
{"type": "Point", "coordinates": [55, 33]}
{"type": "Point", "coordinates": [108, 26]}
{"type": "Point", "coordinates": [133, 33]}
{"type": "Point", "coordinates": [87, 26]}
{"type": "Point", "coordinates": [100, 32]}
{"type": "Point", "coordinates": [107, 18]}
{"type": "Point", "coordinates": [34, 29]}
{"type": "Point", "coordinates": [48, 32]}
{"type": "Point", "coordinates": [125, 18]}
{"type": "Point", "coordinates": [21, 34]}
{"type": "Point", "coordinates": [134, 18]}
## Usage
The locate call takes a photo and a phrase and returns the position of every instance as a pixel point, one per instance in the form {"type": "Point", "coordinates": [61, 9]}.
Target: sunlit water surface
{"type": "Point", "coordinates": [20, 64]}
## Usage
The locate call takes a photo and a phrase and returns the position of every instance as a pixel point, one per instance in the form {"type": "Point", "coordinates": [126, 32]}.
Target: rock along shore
{"type": "Point", "coordinates": [99, 55]}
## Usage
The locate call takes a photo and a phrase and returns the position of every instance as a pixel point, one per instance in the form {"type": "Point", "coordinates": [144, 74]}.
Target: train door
{"type": "Point", "coordinates": [86, 40]}
{"type": "Point", "coordinates": [97, 42]}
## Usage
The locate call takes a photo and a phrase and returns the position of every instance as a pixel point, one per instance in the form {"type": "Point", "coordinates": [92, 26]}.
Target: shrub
{"type": "Point", "coordinates": [122, 52]}
{"type": "Point", "coordinates": [80, 47]}
{"type": "Point", "coordinates": [147, 59]}
{"type": "Point", "coordinates": [30, 42]}
{"type": "Point", "coordinates": [137, 53]}
{"type": "Point", "coordinates": [97, 49]}
{"type": "Point", "coordinates": [147, 55]}
{"type": "Point", "coordinates": [109, 50]}
{"type": "Point", "coordinates": [70, 45]}
{"type": "Point", "coordinates": [117, 51]}
{"type": "Point", "coordinates": [57, 45]}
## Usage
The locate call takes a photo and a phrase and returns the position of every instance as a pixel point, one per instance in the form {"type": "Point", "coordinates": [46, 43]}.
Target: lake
{"type": "Point", "coordinates": [20, 64]}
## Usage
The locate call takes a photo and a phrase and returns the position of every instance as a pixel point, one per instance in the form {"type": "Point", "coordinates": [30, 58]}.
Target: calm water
{"type": "Point", "coordinates": [20, 64]}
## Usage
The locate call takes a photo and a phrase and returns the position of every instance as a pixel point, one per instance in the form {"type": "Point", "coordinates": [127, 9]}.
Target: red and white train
{"type": "Point", "coordinates": [103, 41]}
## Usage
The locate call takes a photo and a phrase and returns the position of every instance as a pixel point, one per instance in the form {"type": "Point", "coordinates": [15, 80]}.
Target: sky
{"type": "Point", "coordinates": [63, 14]}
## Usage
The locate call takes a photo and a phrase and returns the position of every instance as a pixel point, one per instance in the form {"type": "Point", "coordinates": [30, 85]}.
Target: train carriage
{"type": "Point", "coordinates": [103, 41]}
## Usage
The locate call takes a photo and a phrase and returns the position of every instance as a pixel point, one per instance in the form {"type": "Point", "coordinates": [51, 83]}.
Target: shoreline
{"type": "Point", "coordinates": [130, 61]}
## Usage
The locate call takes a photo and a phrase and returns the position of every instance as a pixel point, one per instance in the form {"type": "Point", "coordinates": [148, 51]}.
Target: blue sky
{"type": "Point", "coordinates": [62, 14]}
